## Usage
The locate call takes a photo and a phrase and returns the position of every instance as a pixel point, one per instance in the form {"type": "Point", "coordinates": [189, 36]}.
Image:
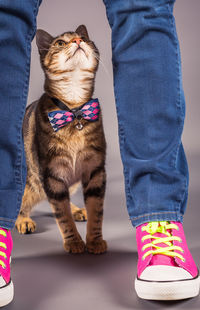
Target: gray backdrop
{"type": "Point", "coordinates": [45, 277]}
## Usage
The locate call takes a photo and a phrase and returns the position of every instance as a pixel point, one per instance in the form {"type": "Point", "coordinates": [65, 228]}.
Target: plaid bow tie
{"type": "Point", "coordinates": [60, 118]}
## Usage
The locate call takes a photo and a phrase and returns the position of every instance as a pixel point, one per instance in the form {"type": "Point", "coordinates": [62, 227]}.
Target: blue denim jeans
{"type": "Point", "coordinates": [149, 97]}
{"type": "Point", "coordinates": [150, 108]}
{"type": "Point", "coordinates": [17, 29]}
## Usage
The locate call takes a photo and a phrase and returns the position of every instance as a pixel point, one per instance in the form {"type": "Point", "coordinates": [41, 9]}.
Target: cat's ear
{"type": "Point", "coordinates": [43, 41]}
{"type": "Point", "coordinates": [82, 30]}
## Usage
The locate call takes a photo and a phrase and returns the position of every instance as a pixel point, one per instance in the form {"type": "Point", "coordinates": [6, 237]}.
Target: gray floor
{"type": "Point", "coordinates": [45, 277]}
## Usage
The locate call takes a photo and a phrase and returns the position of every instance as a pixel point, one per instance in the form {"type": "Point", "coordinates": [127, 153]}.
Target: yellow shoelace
{"type": "Point", "coordinates": [161, 227]}
{"type": "Point", "coordinates": [3, 245]}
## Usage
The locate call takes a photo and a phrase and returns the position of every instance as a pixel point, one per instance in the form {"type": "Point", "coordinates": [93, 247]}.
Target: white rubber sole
{"type": "Point", "coordinates": [172, 290]}
{"type": "Point", "coordinates": [6, 294]}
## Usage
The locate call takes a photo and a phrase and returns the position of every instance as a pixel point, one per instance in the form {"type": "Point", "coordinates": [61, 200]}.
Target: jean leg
{"type": "Point", "coordinates": [17, 29]}
{"type": "Point", "coordinates": [150, 108]}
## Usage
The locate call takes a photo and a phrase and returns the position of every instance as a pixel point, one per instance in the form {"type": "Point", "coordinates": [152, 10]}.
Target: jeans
{"type": "Point", "coordinates": [17, 29]}
{"type": "Point", "coordinates": [150, 107]}
{"type": "Point", "coordinates": [149, 99]}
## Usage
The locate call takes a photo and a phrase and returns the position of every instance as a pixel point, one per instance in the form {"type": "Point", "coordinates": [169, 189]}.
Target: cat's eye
{"type": "Point", "coordinates": [60, 43]}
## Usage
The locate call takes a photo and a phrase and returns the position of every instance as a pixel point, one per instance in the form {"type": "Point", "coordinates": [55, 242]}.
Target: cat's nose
{"type": "Point", "coordinates": [77, 40]}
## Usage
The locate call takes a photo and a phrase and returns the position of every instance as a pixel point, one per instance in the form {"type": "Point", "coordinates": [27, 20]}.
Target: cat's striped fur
{"type": "Point", "coordinates": [58, 161]}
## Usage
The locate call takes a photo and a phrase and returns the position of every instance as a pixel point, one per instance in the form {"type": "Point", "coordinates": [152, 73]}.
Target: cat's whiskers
{"type": "Point", "coordinates": [103, 65]}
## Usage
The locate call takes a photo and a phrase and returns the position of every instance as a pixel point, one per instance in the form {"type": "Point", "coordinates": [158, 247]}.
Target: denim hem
{"type": "Point", "coordinates": [157, 216]}
{"type": "Point", "coordinates": [7, 223]}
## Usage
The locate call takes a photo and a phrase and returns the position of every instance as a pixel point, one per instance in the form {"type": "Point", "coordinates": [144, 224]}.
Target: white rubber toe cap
{"type": "Point", "coordinates": [2, 282]}
{"type": "Point", "coordinates": [164, 273]}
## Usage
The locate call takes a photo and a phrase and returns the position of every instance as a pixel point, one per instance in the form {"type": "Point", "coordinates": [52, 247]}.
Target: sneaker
{"type": "Point", "coordinates": [6, 285]}
{"type": "Point", "coordinates": [166, 269]}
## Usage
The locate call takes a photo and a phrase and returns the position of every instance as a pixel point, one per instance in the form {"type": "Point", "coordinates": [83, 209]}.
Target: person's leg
{"type": "Point", "coordinates": [151, 110]}
{"type": "Point", "coordinates": [17, 29]}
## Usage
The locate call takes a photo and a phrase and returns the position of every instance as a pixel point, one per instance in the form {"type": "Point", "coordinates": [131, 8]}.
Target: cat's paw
{"type": "Point", "coordinates": [96, 246]}
{"type": "Point", "coordinates": [25, 225]}
{"type": "Point", "coordinates": [80, 215]}
{"type": "Point", "coordinates": [74, 246]}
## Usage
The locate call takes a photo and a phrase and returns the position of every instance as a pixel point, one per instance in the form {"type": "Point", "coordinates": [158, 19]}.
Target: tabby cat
{"type": "Point", "coordinates": [60, 158]}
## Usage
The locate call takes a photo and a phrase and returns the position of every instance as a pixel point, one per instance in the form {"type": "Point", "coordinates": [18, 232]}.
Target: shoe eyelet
{"type": "Point", "coordinates": [143, 258]}
{"type": "Point", "coordinates": [184, 260]}
{"type": "Point", "coordinates": [181, 241]}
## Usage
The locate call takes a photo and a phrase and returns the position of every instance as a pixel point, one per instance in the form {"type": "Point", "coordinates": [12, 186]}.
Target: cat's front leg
{"type": "Point", "coordinates": [32, 195]}
{"type": "Point", "coordinates": [58, 196]}
{"type": "Point", "coordinates": [73, 242]}
{"type": "Point", "coordinates": [94, 192]}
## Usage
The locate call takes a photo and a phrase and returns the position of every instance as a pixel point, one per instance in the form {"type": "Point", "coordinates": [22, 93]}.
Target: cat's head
{"type": "Point", "coordinates": [68, 51]}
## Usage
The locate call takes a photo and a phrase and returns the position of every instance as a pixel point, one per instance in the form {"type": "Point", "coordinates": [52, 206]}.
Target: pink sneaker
{"type": "Point", "coordinates": [6, 285]}
{"type": "Point", "coordinates": [166, 269]}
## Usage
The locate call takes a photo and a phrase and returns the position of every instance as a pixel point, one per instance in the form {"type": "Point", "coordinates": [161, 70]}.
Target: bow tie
{"type": "Point", "coordinates": [60, 118]}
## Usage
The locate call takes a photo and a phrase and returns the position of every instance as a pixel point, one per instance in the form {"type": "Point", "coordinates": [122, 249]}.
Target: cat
{"type": "Point", "coordinates": [60, 159]}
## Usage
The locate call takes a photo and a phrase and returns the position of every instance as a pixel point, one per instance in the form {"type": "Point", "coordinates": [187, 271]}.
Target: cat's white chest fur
{"type": "Point", "coordinates": [73, 89]}
{"type": "Point", "coordinates": [72, 85]}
